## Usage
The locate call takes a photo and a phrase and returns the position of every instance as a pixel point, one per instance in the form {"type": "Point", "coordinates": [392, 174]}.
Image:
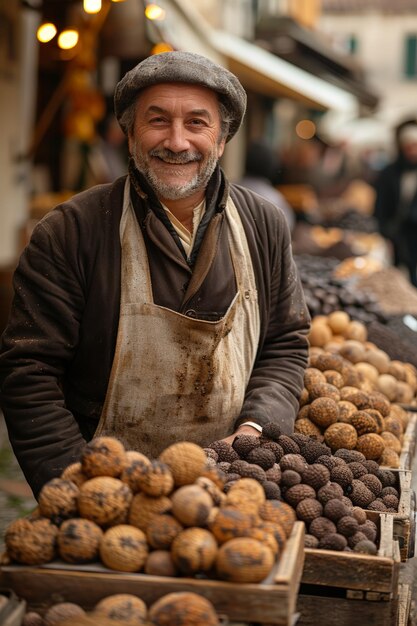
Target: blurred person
{"type": "Point", "coordinates": [396, 199]}
{"type": "Point", "coordinates": [261, 175]}
{"type": "Point", "coordinates": [163, 307]}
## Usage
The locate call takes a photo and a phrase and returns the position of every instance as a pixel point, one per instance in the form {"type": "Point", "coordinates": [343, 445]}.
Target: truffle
{"type": "Point", "coordinates": [243, 444]}
{"type": "Point", "coordinates": [278, 512]}
{"type": "Point", "coordinates": [363, 423]}
{"type": "Point", "coordinates": [350, 456]}
{"type": "Point", "coordinates": [328, 492]}
{"type": "Point", "coordinates": [308, 509]}
{"type": "Point", "coordinates": [274, 474]}
{"type": "Point", "coordinates": [323, 411]}
{"type": "Point", "coordinates": [371, 466]}
{"type": "Point", "coordinates": [63, 611]}
{"type": "Point", "coordinates": [321, 526]}
{"type": "Point", "coordinates": [32, 619]}
{"type": "Point", "coordinates": [191, 505]}
{"type": "Point", "coordinates": [156, 479]}
{"type": "Point", "coordinates": [74, 473]}
{"type": "Point", "coordinates": [31, 542]}
{"type": "Point", "coordinates": [290, 478]}
{"type": "Point", "coordinates": [359, 514]}
{"type": "Point", "coordinates": [293, 462]}
{"type": "Point", "coordinates": [275, 448]}
{"type": "Point", "coordinates": [310, 541]}
{"type": "Point", "coordinates": [313, 376]}
{"type": "Point", "coordinates": [387, 478]}
{"type": "Point", "coordinates": [124, 548]}
{"type": "Point", "coordinates": [186, 461]}
{"type": "Point", "coordinates": [389, 458]}
{"type": "Point", "coordinates": [262, 457]}
{"type": "Point", "coordinates": [391, 501]}
{"type": "Point", "coordinates": [272, 431]}
{"type": "Point", "coordinates": [333, 541]}
{"type": "Point", "coordinates": [347, 525]}
{"type": "Point", "coordinates": [357, 469]}
{"type": "Point", "coordinates": [224, 451]}
{"type": "Point", "coordinates": [250, 489]}
{"type": "Point", "coordinates": [355, 538]}
{"type": "Point", "coordinates": [211, 454]}
{"type": "Point", "coordinates": [183, 608]}
{"type": "Point", "coordinates": [334, 378]}
{"type": "Point", "coordinates": [144, 508]}
{"type": "Point", "coordinates": [379, 420]}
{"type": "Point", "coordinates": [162, 532]}
{"type": "Point", "coordinates": [229, 523]}
{"type": "Point", "coordinates": [272, 490]}
{"type": "Point", "coordinates": [371, 445]}
{"type": "Point", "coordinates": [295, 494]}
{"type": "Point", "coordinates": [194, 550]}
{"type": "Point", "coordinates": [377, 505]}
{"type": "Point", "coordinates": [104, 500]}
{"type": "Point", "coordinates": [369, 529]}
{"type": "Point", "coordinates": [378, 401]}
{"type": "Point", "coordinates": [103, 456]}
{"type": "Point", "coordinates": [373, 483]}
{"type": "Point", "coordinates": [58, 500]}
{"type": "Point", "coordinates": [341, 474]}
{"type": "Point", "coordinates": [78, 540]}
{"type": "Point", "coordinates": [312, 450]}
{"type": "Point", "coordinates": [346, 409]}
{"type": "Point", "coordinates": [316, 475]}
{"type": "Point", "coordinates": [357, 397]}
{"type": "Point", "coordinates": [324, 390]}
{"type": "Point", "coordinates": [123, 607]}
{"type": "Point", "coordinates": [366, 547]}
{"type": "Point", "coordinates": [288, 445]}
{"type": "Point", "coordinates": [341, 435]}
{"type": "Point", "coordinates": [305, 426]}
{"type": "Point", "coordinates": [160, 563]}
{"type": "Point", "coordinates": [360, 494]}
{"type": "Point", "coordinates": [136, 462]}
{"type": "Point", "coordinates": [335, 509]}
{"type": "Point", "coordinates": [329, 461]}
{"type": "Point", "coordinates": [244, 560]}
{"type": "Point", "coordinates": [328, 361]}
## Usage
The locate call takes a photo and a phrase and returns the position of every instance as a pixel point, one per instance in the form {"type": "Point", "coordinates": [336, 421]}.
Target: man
{"type": "Point", "coordinates": [396, 199]}
{"type": "Point", "coordinates": [165, 306]}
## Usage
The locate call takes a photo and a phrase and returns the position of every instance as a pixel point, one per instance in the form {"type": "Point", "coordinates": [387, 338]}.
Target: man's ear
{"type": "Point", "coordinates": [220, 149]}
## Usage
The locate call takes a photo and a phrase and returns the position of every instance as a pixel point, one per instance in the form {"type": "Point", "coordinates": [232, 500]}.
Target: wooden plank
{"type": "Point", "coordinates": [270, 601]}
{"type": "Point", "coordinates": [409, 443]}
{"type": "Point", "coordinates": [351, 570]}
{"type": "Point", "coordinates": [316, 610]}
{"type": "Point", "coordinates": [404, 601]}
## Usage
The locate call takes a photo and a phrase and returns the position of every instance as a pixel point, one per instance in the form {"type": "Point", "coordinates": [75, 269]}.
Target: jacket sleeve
{"type": "Point", "coordinates": [37, 346]}
{"type": "Point", "coordinates": [277, 378]}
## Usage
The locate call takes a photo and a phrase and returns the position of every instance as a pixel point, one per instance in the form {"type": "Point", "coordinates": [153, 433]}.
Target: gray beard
{"type": "Point", "coordinates": [175, 192]}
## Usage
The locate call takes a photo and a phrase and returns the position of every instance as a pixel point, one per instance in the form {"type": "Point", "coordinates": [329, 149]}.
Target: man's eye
{"type": "Point", "coordinates": [157, 120]}
{"type": "Point", "coordinates": [196, 122]}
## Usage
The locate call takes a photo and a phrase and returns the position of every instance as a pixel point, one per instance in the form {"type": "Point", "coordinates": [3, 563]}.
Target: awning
{"type": "Point", "coordinates": [257, 69]}
{"type": "Point", "coordinates": [262, 71]}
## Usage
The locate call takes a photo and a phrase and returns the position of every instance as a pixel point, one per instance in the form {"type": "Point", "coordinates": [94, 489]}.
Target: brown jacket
{"type": "Point", "coordinates": [57, 350]}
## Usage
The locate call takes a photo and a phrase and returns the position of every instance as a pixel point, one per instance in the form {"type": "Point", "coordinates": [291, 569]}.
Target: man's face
{"type": "Point", "coordinates": [176, 139]}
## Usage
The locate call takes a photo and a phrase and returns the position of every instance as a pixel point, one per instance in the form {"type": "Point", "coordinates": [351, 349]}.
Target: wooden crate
{"type": "Point", "coordinates": [404, 521]}
{"type": "Point", "coordinates": [350, 589]}
{"type": "Point", "coordinates": [409, 443]}
{"type": "Point", "coordinates": [358, 575]}
{"type": "Point", "coordinates": [272, 601]}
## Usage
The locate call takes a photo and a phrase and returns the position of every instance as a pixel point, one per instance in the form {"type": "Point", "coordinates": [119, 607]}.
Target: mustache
{"type": "Point", "coordinates": [176, 157]}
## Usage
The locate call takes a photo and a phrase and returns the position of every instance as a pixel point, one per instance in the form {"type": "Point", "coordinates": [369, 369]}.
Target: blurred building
{"type": "Point", "coordinates": [382, 36]}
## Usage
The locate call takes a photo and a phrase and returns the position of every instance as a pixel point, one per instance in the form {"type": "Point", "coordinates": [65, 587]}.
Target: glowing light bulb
{"type": "Point", "coordinates": [305, 129]}
{"type": "Point", "coordinates": [92, 6]}
{"type": "Point", "coordinates": [46, 32]}
{"type": "Point", "coordinates": [68, 39]}
{"type": "Point", "coordinates": [161, 47]}
{"type": "Point", "coordinates": [154, 12]}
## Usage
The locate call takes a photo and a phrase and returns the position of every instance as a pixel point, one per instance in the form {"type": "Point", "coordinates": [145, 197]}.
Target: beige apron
{"type": "Point", "coordinates": [175, 378]}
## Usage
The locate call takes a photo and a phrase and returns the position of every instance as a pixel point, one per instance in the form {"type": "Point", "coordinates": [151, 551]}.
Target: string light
{"type": "Point", "coordinates": [154, 12]}
{"type": "Point", "coordinates": [305, 129]}
{"type": "Point", "coordinates": [68, 39]}
{"type": "Point", "coordinates": [92, 6]}
{"type": "Point", "coordinates": [161, 47]}
{"type": "Point", "coordinates": [46, 32]}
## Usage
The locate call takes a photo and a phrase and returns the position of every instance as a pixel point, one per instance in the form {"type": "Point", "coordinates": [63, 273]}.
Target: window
{"type": "Point", "coordinates": [410, 67]}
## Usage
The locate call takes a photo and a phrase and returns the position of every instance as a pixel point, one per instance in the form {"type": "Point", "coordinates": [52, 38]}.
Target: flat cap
{"type": "Point", "coordinates": [183, 67]}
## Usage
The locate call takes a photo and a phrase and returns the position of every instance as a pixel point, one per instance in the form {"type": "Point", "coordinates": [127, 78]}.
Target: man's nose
{"type": "Point", "coordinates": [176, 139]}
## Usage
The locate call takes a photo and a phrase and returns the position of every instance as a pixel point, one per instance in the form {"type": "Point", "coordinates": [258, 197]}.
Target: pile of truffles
{"type": "Point", "coordinates": [353, 391]}
{"type": "Point", "coordinates": [180, 608]}
{"type": "Point", "coordinates": [328, 492]}
{"type": "Point", "coordinates": [166, 517]}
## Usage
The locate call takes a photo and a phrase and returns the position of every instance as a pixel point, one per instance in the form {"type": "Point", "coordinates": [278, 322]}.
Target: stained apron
{"type": "Point", "coordinates": [175, 378]}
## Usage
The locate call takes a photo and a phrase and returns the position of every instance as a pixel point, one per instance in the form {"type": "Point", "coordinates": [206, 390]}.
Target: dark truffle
{"type": "Point", "coordinates": [373, 483]}
{"type": "Point", "coordinates": [272, 431]}
{"type": "Point", "coordinates": [360, 494]}
{"type": "Point", "coordinates": [342, 475]}
{"type": "Point", "coordinates": [366, 547]}
{"type": "Point", "coordinates": [321, 526]}
{"type": "Point", "coordinates": [211, 454]}
{"type": "Point", "coordinates": [262, 457]}
{"type": "Point", "coordinates": [354, 539]}
{"type": "Point", "coordinates": [250, 470]}
{"type": "Point", "coordinates": [224, 451]}
{"type": "Point", "coordinates": [369, 529]}
{"type": "Point", "coordinates": [288, 445]}
{"type": "Point", "coordinates": [391, 501]}
{"type": "Point", "coordinates": [232, 476]}
{"type": "Point", "coordinates": [224, 466]}
{"type": "Point", "coordinates": [274, 474]}
{"type": "Point", "coordinates": [335, 509]}
{"type": "Point", "coordinates": [293, 462]}
{"type": "Point", "coordinates": [328, 492]}
{"type": "Point", "coordinates": [387, 478]}
{"type": "Point", "coordinates": [330, 461]}
{"type": "Point", "coordinates": [308, 509]}
{"type": "Point", "coordinates": [316, 475]}
{"type": "Point", "coordinates": [295, 494]}
{"type": "Point", "coordinates": [357, 469]}
{"type": "Point", "coordinates": [377, 505]}
{"type": "Point", "coordinates": [371, 466]}
{"type": "Point", "coordinates": [347, 525]}
{"type": "Point", "coordinates": [243, 444]}
{"type": "Point", "coordinates": [314, 450]}
{"type": "Point", "coordinates": [310, 541]}
{"type": "Point", "coordinates": [333, 541]}
{"type": "Point", "coordinates": [272, 491]}
{"type": "Point", "coordinates": [289, 478]}
{"type": "Point", "coordinates": [350, 456]}
{"type": "Point", "coordinates": [276, 449]}
{"type": "Point", "coordinates": [390, 491]}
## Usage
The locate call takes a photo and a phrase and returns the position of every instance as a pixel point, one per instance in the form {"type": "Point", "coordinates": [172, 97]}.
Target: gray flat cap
{"type": "Point", "coordinates": [183, 67]}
